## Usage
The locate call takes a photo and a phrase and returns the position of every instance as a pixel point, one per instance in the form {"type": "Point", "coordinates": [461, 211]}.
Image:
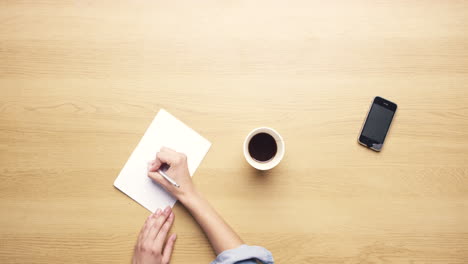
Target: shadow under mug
{"type": "Point", "coordinates": [270, 164]}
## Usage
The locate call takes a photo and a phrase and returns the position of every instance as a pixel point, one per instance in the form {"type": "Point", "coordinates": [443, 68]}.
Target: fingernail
{"type": "Point", "coordinates": [167, 209]}
{"type": "Point", "coordinates": [174, 236]}
{"type": "Point", "coordinates": [158, 212]}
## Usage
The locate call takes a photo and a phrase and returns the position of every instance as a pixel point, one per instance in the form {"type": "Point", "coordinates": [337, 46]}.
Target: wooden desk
{"type": "Point", "coordinates": [81, 80]}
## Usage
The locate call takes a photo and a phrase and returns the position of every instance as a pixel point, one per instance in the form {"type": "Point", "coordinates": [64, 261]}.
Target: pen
{"type": "Point", "coordinates": [168, 178]}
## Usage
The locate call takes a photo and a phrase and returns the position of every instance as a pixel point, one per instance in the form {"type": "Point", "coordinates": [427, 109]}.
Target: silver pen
{"type": "Point", "coordinates": [168, 178]}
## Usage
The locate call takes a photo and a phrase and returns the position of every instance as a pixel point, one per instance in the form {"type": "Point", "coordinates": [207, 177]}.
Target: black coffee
{"type": "Point", "coordinates": [262, 147]}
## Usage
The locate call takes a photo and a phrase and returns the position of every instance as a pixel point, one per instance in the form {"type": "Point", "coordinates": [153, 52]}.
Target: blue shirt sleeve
{"type": "Point", "coordinates": [244, 254]}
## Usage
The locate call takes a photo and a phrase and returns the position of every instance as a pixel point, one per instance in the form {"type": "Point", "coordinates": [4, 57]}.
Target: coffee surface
{"type": "Point", "coordinates": [262, 147]}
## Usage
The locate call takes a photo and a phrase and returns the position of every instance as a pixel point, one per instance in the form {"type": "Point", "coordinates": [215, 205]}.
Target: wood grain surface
{"type": "Point", "coordinates": [81, 81]}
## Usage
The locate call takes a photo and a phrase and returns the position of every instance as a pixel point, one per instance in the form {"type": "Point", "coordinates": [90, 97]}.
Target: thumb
{"type": "Point", "coordinates": [154, 165]}
{"type": "Point", "coordinates": [169, 248]}
{"type": "Point", "coordinates": [166, 157]}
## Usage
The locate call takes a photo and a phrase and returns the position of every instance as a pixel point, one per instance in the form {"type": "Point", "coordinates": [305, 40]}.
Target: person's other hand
{"type": "Point", "coordinates": [150, 248]}
{"type": "Point", "coordinates": [178, 171]}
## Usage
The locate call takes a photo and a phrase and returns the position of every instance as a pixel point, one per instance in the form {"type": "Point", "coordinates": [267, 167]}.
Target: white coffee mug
{"type": "Point", "coordinates": [264, 165]}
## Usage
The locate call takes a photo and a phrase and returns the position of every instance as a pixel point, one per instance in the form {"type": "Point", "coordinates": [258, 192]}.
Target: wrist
{"type": "Point", "coordinates": [188, 195]}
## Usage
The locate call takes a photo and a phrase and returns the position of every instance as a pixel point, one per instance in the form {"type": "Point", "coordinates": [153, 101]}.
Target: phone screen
{"type": "Point", "coordinates": [377, 123]}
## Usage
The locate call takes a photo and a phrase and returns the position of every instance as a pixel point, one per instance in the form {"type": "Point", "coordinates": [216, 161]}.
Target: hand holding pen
{"type": "Point", "coordinates": [170, 170]}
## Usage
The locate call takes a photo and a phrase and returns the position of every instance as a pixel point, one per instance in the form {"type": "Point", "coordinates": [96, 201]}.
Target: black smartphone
{"type": "Point", "coordinates": [377, 123]}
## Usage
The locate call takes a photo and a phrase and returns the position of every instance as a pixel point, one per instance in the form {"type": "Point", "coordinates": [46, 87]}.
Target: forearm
{"type": "Point", "coordinates": [221, 236]}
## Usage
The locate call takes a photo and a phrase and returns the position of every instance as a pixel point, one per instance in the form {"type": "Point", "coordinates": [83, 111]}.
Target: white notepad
{"type": "Point", "coordinates": [168, 131]}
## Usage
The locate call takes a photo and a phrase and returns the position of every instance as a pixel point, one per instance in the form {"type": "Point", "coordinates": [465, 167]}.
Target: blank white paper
{"type": "Point", "coordinates": [168, 131]}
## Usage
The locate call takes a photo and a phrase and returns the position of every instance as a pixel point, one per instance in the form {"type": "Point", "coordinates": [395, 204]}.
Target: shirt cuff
{"type": "Point", "coordinates": [244, 252]}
